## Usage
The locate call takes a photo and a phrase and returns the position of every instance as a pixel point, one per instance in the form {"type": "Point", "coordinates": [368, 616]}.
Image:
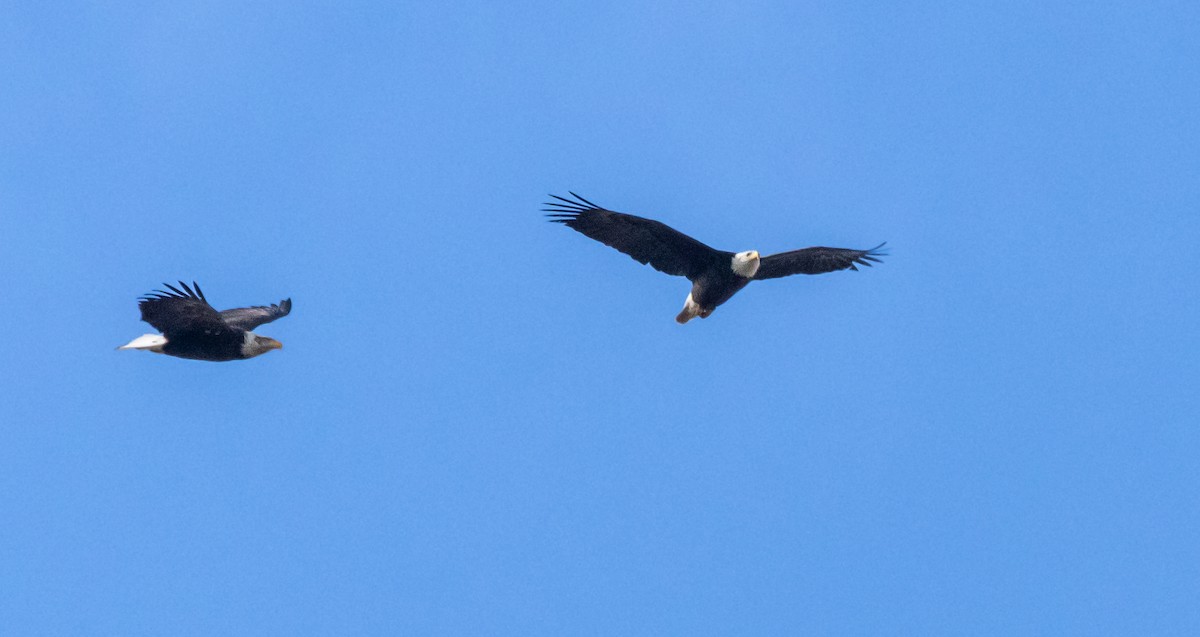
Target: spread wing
{"type": "Point", "coordinates": [248, 318]}
{"type": "Point", "coordinates": [179, 311]}
{"type": "Point", "coordinates": [816, 261]}
{"type": "Point", "coordinates": [647, 241]}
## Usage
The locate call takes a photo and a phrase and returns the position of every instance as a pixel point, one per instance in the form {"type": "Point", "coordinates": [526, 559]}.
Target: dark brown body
{"type": "Point", "coordinates": [715, 287]}
{"type": "Point", "coordinates": [710, 289]}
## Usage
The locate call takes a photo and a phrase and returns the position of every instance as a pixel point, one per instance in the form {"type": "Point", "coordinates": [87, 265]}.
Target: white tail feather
{"type": "Point", "coordinates": [151, 342]}
{"type": "Point", "coordinates": [691, 310]}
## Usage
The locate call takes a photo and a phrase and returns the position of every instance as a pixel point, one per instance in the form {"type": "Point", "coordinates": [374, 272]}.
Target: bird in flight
{"type": "Point", "coordinates": [191, 328]}
{"type": "Point", "coordinates": [716, 275]}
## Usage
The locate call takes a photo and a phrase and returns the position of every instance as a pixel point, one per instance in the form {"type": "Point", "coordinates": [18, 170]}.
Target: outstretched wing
{"type": "Point", "coordinates": [648, 241]}
{"type": "Point", "coordinates": [178, 311]}
{"type": "Point", "coordinates": [248, 318]}
{"type": "Point", "coordinates": [816, 261]}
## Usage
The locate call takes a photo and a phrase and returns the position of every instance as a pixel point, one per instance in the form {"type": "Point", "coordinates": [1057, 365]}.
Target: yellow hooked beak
{"type": "Point", "coordinates": [274, 344]}
{"type": "Point", "coordinates": [754, 254]}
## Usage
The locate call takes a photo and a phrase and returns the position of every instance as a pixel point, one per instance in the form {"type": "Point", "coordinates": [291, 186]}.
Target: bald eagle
{"type": "Point", "coordinates": [191, 328]}
{"type": "Point", "coordinates": [716, 275]}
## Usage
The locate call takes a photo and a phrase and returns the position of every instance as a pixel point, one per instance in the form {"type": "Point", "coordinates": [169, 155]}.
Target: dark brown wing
{"type": "Point", "coordinates": [248, 318]}
{"type": "Point", "coordinates": [179, 311]}
{"type": "Point", "coordinates": [816, 261]}
{"type": "Point", "coordinates": [647, 241]}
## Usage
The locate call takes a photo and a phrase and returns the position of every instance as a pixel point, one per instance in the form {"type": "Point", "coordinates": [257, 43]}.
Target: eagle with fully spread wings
{"type": "Point", "coordinates": [716, 275]}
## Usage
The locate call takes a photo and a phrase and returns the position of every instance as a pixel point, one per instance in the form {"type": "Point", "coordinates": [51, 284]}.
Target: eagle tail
{"type": "Point", "coordinates": [151, 342]}
{"type": "Point", "coordinates": [691, 309]}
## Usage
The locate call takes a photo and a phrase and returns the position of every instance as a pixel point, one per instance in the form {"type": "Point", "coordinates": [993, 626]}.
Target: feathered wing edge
{"type": "Point", "coordinates": [176, 293]}
{"type": "Point", "coordinates": [568, 208]}
{"type": "Point", "coordinates": [817, 260]}
{"type": "Point", "coordinates": [868, 257]}
{"type": "Point", "coordinates": [648, 241]}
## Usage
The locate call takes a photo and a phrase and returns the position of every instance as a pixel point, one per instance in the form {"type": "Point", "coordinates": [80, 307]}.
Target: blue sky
{"type": "Point", "coordinates": [482, 423]}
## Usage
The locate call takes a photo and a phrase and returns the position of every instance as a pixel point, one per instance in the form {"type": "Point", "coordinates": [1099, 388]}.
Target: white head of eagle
{"type": "Point", "coordinates": [716, 275]}
{"type": "Point", "coordinates": [745, 264]}
{"type": "Point", "coordinates": [191, 328]}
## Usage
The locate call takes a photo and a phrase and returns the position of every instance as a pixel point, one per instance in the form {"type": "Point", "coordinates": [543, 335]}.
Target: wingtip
{"type": "Point", "coordinates": [582, 198]}
{"type": "Point", "coordinates": [577, 205]}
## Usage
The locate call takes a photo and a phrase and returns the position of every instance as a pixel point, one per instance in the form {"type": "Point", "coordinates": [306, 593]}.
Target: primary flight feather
{"type": "Point", "coordinates": [716, 275]}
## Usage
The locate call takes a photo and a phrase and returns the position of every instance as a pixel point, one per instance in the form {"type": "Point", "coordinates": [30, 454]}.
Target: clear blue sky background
{"type": "Point", "coordinates": [482, 423]}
